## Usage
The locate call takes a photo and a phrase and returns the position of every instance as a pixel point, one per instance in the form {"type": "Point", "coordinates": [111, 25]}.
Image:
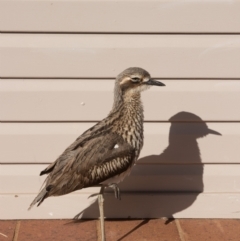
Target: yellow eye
{"type": "Point", "coordinates": [135, 80]}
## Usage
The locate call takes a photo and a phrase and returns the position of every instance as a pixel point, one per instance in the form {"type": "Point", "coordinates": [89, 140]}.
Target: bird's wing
{"type": "Point", "coordinates": [100, 129]}
{"type": "Point", "coordinates": [88, 135]}
{"type": "Point", "coordinates": [97, 160]}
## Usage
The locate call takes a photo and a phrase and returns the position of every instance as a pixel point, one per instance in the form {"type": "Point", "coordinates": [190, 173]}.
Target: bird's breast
{"type": "Point", "coordinates": [132, 134]}
{"type": "Point", "coordinates": [129, 124]}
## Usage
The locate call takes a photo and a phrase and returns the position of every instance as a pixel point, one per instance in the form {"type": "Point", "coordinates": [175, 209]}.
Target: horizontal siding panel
{"type": "Point", "coordinates": [177, 143]}
{"type": "Point", "coordinates": [105, 56]}
{"type": "Point", "coordinates": [121, 16]}
{"type": "Point", "coordinates": [184, 178]}
{"type": "Point", "coordinates": [25, 179]}
{"type": "Point", "coordinates": [141, 205]}
{"type": "Point", "coordinates": [91, 100]}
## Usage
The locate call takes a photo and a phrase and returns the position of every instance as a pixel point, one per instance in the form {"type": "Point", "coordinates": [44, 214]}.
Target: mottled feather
{"type": "Point", "coordinates": [106, 152]}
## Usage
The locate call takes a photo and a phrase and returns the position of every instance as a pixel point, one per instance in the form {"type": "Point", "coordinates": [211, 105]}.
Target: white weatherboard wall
{"type": "Point", "coordinates": [58, 61]}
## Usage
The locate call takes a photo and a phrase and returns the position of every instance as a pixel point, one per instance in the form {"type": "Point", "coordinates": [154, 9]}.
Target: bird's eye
{"type": "Point", "coordinates": [135, 80]}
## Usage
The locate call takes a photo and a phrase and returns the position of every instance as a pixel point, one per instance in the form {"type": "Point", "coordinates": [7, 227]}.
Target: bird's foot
{"type": "Point", "coordinates": [116, 189]}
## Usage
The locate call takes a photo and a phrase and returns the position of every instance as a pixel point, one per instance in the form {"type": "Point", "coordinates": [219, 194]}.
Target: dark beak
{"type": "Point", "coordinates": [154, 82]}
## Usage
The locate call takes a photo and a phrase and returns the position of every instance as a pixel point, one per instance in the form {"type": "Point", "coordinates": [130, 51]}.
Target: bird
{"type": "Point", "coordinates": [104, 154]}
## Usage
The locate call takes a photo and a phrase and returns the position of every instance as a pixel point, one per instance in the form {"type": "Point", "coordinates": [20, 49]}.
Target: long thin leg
{"type": "Point", "coordinates": [101, 210]}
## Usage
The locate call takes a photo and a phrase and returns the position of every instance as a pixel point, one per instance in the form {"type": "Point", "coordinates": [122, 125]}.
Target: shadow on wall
{"type": "Point", "coordinates": [171, 179]}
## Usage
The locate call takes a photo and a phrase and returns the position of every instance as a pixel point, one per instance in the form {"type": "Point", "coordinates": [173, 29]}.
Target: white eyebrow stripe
{"type": "Point", "coordinates": [126, 79]}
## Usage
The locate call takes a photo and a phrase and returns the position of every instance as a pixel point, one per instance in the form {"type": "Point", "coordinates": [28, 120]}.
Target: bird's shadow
{"type": "Point", "coordinates": [178, 169]}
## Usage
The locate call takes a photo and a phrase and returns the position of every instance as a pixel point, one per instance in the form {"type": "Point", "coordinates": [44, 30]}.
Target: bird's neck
{"type": "Point", "coordinates": [129, 99]}
{"type": "Point", "coordinates": [129, 115]}
{"type": "Point", "coordinates": [129, 105]}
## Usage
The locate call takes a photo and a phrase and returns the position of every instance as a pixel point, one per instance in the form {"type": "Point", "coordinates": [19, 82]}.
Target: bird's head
{"type": "Point", "coordinates": [135, 80]}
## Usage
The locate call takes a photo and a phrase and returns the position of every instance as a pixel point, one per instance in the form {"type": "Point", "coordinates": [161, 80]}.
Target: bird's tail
{"type": "Point", "coordinates": [39, 198]}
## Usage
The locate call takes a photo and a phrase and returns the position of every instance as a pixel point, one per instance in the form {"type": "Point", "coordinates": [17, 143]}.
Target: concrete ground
{"type": "Point", "coordinates": [117, 230]}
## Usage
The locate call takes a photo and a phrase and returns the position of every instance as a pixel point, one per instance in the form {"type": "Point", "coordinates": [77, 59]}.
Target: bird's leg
{"type": "Point", "coordinates": [101, 210]}
{"type": "Point", "coordinates": [116, 190]}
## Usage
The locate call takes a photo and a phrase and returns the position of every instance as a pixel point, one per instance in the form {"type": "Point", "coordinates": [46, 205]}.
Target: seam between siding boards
{"type": "Point", "coordinates": [115, 33]}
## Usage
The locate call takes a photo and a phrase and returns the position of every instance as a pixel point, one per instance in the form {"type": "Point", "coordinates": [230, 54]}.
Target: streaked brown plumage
{"type": "Point", "coordinates": [105, 153]}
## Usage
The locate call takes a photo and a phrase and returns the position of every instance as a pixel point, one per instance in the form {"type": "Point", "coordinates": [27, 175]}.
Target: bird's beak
{"type": "Point", "coordinates": [154, 82]}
